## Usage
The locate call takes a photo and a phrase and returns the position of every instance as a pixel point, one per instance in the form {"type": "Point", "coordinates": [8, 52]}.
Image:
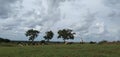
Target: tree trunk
{"type": "Point", "coordinates": [32, 42]}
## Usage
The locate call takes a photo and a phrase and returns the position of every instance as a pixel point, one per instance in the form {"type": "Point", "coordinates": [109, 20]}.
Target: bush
{"type": "Point", "coordinates": [91, 42]}
{"type": "Point", "coordinates": [42, 42]}
{"type": "Point", "coordinates": [6, 40]}
{"type": "Point", "coordinates": [103, 42]}
{"type": "Point", "coordinates": [1, 40]}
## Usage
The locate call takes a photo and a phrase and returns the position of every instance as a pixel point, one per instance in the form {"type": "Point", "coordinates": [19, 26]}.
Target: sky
{"type": "Point", "coordinates": [92, 20]}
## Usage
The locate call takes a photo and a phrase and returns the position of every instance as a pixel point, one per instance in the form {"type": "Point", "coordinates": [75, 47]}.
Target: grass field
{"type": "Point", "coordinates": [73, 50]}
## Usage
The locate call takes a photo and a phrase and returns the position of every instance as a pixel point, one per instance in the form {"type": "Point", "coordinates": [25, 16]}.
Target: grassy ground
{"type": "Point", "coordinates": [74, 50]}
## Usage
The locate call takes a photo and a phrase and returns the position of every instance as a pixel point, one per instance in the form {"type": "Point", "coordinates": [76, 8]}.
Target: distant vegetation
{"type": "Point", "coordinates": [65, 34]}
{"type": "Point", "coordinates": [4, 40]}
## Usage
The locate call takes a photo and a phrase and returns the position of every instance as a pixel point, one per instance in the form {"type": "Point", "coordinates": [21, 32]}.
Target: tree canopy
{"type": "Point", "coordinates": [48, 35]}
{"type": "Point", "coordinates": [66, 34]}
{"type": "Point", "coordinates": [32, 34]}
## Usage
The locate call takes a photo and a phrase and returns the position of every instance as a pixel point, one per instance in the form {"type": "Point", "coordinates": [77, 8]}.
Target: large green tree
{"type": "Point", "coordinates": [66, 34]}
{"type": "Point", "coordinates": [32, 34]}
{"type": "Point", "coordinates": [48, 35]}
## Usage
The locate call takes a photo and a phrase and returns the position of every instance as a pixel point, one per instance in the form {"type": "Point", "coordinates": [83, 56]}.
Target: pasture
{"type": "Point", "coordinates": [61, 50]}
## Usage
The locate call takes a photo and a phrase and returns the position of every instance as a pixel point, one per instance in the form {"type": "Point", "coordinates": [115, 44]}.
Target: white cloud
{"type": "Point", "coordinates": [94, 19]}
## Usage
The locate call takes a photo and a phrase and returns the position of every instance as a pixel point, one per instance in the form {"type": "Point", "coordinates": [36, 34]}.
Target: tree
{"type": "Point", "coordinates": [66, 34]}
{"type": "Point", "coordinates": [32, 34]}
{"type": "Point", "coordinates": [49, 35]}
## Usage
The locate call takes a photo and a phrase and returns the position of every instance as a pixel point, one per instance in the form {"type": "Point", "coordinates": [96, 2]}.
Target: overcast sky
{"type": "Point", "coordinates": [93, 20]}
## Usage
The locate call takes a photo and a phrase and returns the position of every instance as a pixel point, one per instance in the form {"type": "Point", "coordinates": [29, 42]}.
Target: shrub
{"type": "Point", "coordinates": [43, 42]}
{"type": "Point", "coordinates": [6, 40]}
{"type": "Point", "coordinates": [91, 42]}
{"type": "Point", "coordinates": [103, 42]}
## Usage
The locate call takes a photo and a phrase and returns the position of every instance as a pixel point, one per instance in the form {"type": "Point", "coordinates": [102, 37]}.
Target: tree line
{"type": "Point", "coordinates": [4, 40]}
{"type": "Point", "coordinates": [65, 34]}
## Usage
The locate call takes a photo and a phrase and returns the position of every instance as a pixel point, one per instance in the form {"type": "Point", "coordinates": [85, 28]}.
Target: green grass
{"type": "Point", "coordinates": [74, 50]}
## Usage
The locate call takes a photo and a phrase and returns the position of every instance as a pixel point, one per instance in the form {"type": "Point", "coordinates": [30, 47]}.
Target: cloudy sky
{"type": "Point", "coordinates": [93, 20]}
